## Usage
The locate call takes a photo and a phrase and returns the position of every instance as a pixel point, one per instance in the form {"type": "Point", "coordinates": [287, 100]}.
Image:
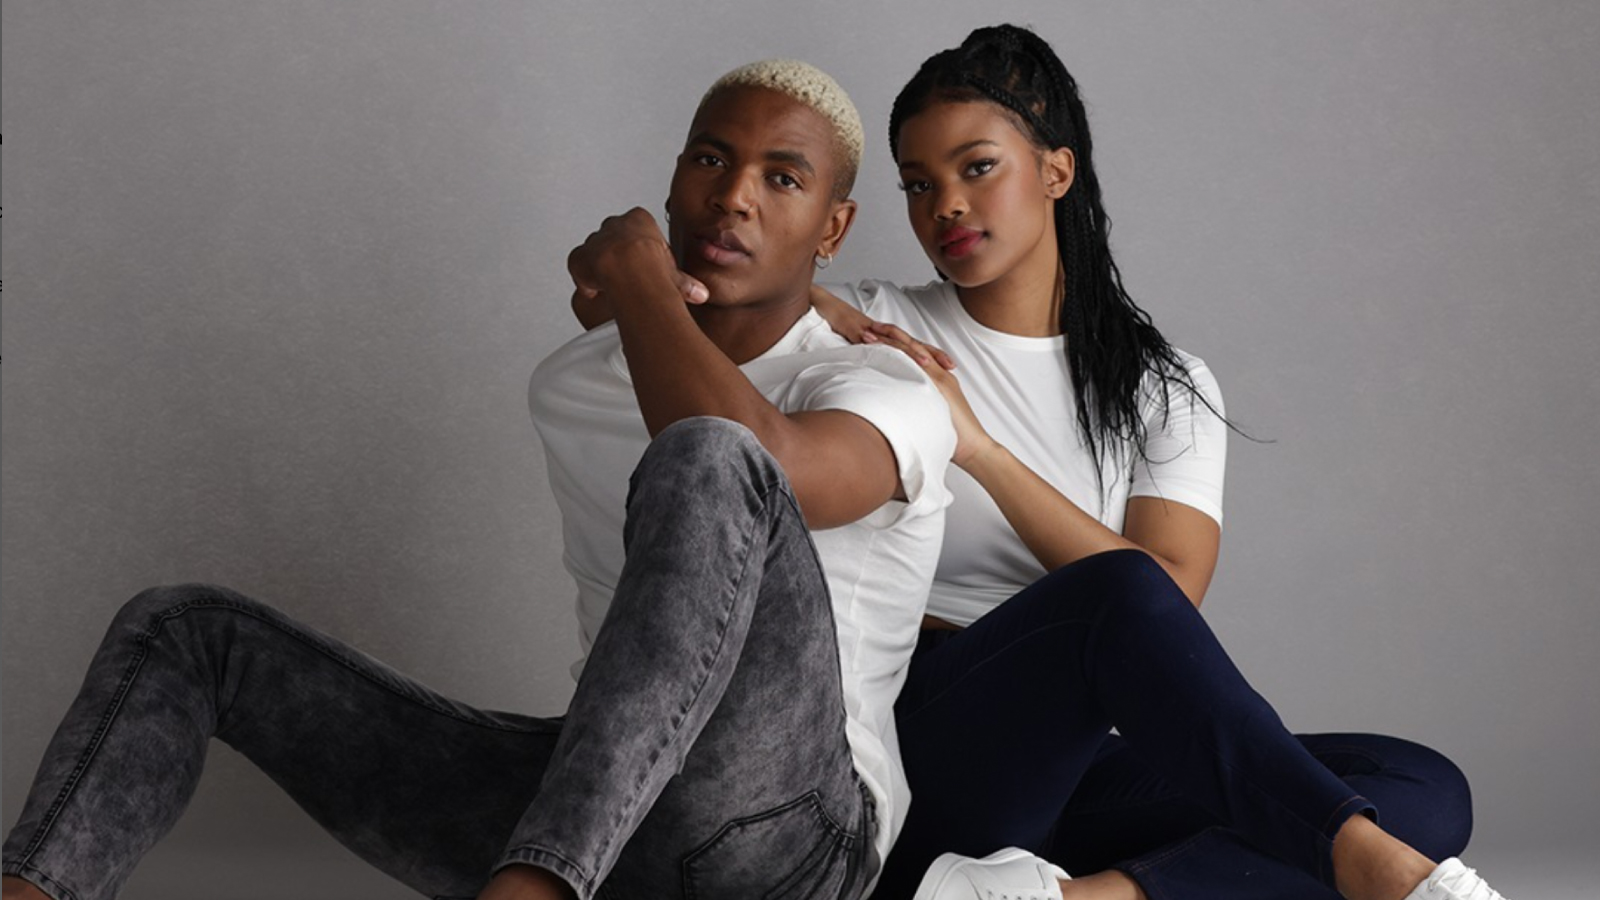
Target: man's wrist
{"type": "Point", "coordinates": [627, 268]}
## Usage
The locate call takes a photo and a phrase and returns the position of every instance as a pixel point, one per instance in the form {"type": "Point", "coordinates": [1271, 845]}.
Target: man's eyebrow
{"type": "Point", "coordinates": [713, 142]}
{"type": "Point", "coordinates": [955, 152]}
{"type": "Point", "coordinates": [792, 157]}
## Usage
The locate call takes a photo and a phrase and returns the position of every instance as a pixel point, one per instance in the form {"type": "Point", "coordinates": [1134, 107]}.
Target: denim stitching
{"type": "Point", "coordinates": [841, 839]}
{"type": "Point", "coordinates": [141, 653]}
{"type": "Point", "coordinates": [56, 886]}
{"type": "Point", "coordinates": [636, 797]}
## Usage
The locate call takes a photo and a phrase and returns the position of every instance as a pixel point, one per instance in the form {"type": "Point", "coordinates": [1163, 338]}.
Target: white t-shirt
{"type": "Point", "coordinates": [1021, 390]}
{"type": "Point", "coordinates": [878, 568]}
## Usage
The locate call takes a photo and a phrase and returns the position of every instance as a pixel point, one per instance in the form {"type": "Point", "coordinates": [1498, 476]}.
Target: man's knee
{"type": "Point", "coordinates": [145, 612]}
{"type": "Point", "coordinates": [708, 455]}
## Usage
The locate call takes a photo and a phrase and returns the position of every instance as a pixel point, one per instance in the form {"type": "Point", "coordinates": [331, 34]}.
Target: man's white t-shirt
{"type": "Point", "coordinates": [878, 568]}
{"type": "Point", "coordinates": [1021, 390]}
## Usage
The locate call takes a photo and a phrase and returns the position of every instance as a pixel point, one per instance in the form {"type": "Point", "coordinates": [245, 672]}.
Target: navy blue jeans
{"type": "Point", "coordinates": [1004, 730]}
{"type": "Point", "coordinates": [703, 755]}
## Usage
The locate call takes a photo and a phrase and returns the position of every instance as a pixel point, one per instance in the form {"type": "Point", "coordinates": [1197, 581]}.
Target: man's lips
{"type": "Point", "coordinates": [959, 241]}
{"type": "Point", "coordinates": [720, 248]}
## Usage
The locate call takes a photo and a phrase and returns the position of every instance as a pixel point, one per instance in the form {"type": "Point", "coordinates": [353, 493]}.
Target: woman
{"type": "Point", "coordinates": [1092, 450]}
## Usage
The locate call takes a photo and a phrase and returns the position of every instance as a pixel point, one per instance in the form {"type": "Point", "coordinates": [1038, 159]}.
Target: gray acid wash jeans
{"type": "Point", "coordinates": [703, 755]}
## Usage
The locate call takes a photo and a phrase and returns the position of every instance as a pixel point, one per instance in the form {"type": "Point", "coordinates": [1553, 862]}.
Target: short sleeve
{"type": "Point", "coordinates": [862, 296]}
{"type": "Point", "coordinates": [1186, 443]}
{"type": "Point", "coordinates": [885, 387]}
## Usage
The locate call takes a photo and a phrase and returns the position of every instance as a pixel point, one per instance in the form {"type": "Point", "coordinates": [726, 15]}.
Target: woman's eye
{"type": "Point", "coordinates": [914, 188]}
{"type": "Point", "coordinates": [981, 167]}
{"type": "Point", "coordinates": [706, 159]}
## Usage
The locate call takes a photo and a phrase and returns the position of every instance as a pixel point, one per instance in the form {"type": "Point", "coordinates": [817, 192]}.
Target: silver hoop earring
{"type": "Point", "coordinates": [823, 261]}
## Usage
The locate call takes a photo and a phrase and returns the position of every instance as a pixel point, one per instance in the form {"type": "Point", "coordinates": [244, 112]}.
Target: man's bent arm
{"type": "Point", "coordinates": [839, 465]}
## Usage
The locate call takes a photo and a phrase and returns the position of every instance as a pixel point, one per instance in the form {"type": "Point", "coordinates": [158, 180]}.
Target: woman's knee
{"type": "Point", "coordinates": [1443, 790]}
{"type": "Point", "coordinates": [1422, 796]}
{"type": "Point", "coordinates": [1128, 582]}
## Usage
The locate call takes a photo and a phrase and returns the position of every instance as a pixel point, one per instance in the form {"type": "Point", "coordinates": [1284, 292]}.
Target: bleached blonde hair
{"type": "Point", "coordinates": [814, 88]}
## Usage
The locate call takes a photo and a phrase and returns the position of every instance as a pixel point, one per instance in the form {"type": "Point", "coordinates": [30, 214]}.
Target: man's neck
{"type": "Point", "coordinates": [745, 332]}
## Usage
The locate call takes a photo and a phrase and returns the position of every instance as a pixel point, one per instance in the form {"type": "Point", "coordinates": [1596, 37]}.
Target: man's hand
{"type": "Point", "coordinates": [629, 245]}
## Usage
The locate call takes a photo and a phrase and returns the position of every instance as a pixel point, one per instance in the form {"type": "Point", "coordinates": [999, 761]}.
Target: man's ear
{"type": "Point", "coordinates": [1058, 167]}
{"type": "Point", "coordinates": [839, 222]}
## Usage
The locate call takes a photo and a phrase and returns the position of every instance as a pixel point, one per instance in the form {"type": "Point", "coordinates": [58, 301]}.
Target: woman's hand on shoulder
{"type": "Point", "coordinates": [971, 438]}
{"type": "Point", "coordinates": [857, 327]}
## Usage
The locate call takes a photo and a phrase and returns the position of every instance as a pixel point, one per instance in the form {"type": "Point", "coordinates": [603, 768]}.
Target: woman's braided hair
{"type": "Point", "coordinates": [1111, 342]}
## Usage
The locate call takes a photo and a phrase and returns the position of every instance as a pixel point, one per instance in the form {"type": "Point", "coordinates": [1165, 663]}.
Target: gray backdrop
{"type": "Point", "coordinates": [279, 270]}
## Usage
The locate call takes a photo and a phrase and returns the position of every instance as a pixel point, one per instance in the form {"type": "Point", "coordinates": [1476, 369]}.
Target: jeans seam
{"type": "Point", "coordinates": [141, 654]}
{"type": "Point", "coordinates": [726, 616]}
{"type": "Point", "coordinates": [22, 870]}
{"type": "Point", "coordinates": [1323, 873]}
{"type": "Point", "coordinates": [585, 887]}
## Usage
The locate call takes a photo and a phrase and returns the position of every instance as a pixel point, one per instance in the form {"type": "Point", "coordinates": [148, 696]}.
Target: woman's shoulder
{"type": "Point", "coordinates": [1169, 384]}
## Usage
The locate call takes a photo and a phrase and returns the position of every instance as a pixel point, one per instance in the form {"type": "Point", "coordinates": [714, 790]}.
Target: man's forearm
{"type": "Point", "coordinates": [678, 372]}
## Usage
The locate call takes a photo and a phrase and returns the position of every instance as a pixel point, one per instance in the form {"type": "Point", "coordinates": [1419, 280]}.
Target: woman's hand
{"type": "Point", "coordinates": [971, 439]}
{"type": "Point", "coordinates": [857, 327]}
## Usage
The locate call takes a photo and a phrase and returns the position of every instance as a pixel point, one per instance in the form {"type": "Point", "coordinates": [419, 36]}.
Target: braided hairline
{"type": "Point", "coordinates": [1010, 101]}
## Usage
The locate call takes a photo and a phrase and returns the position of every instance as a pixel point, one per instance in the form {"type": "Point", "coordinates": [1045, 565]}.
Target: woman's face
{"type": "Point", "coordinates": [979, 194]}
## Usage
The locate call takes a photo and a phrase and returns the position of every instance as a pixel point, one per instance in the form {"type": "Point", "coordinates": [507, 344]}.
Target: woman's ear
{"type": "Point", "coordinates": [1059, 166]}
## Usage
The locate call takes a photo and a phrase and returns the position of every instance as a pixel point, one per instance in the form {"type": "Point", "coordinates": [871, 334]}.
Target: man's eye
{"type": "Point", "coordinates": [785, 181]}
{"type": "Point", "coordinates": [706, 159]}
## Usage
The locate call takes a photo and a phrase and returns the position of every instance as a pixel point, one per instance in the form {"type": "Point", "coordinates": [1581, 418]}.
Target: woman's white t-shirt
{"type": "Point", "coordinates": [1021, 390]}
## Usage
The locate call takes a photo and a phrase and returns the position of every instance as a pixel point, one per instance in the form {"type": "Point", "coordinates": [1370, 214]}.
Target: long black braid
{"type": "Point", "coordinates": [1111, 341]}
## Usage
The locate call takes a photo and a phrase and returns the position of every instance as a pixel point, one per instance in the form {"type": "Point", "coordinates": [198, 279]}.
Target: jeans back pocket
{"type": "Point", "coordinates": [790, 852]}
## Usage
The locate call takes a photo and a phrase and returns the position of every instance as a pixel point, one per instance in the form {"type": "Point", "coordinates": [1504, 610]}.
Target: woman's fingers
{"type": "Point", "coordinates": [895, 336]}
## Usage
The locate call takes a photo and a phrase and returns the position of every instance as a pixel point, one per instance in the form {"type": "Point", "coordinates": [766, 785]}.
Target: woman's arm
{"type": "Point", "coordinates": [1182, 539]}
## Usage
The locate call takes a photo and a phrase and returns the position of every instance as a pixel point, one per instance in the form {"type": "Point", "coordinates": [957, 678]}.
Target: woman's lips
{"type": "Point", "coordinates": [958, 242]}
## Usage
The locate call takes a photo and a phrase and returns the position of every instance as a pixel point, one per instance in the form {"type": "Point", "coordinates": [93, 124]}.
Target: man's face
{"type": "Point", "coordinates": [752, 197]}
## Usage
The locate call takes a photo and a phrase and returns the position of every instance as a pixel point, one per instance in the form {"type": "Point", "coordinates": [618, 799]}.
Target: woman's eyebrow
{"type": "Point", "coordinates": [954, 152]}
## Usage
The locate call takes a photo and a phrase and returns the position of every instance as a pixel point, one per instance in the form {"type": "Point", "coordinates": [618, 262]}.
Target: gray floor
{"type": "Point", "coordinates": [272, 851]}
{"type": "Point", "coordinates": [327, 873]}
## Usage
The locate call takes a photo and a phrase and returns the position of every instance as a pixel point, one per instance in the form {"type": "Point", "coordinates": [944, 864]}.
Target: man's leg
{"type": "Point", "coordinates": [422, 787]}
{"type": "Point", "coordinates": [704, 754]}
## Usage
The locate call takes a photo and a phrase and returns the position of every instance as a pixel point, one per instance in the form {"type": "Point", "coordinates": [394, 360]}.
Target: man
{"type": "Point", "coordinates": [732, 730]}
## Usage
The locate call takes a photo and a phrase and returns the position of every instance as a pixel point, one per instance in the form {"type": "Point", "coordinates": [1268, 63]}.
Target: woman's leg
{"type": "Point", "coordinates": [999, 722]}
{"type": "Point", "coordinates": [422, 787]}
{"type": "Point", "coordinates": [1124, 815]}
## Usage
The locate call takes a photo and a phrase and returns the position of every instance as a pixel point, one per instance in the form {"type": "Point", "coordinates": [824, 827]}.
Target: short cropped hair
{"type": "Point", "coordinates": [814, 88]}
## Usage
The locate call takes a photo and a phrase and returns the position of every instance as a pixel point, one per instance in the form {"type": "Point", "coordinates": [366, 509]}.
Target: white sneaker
{"type": "Point", "coordinates": [1453, 881]}
{"type": "Point", "coordinates": [1009, 874]}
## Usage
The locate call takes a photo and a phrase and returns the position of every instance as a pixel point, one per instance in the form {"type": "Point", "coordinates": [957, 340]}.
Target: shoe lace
{"type": "Point", "coordinates": [1465, 884]}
